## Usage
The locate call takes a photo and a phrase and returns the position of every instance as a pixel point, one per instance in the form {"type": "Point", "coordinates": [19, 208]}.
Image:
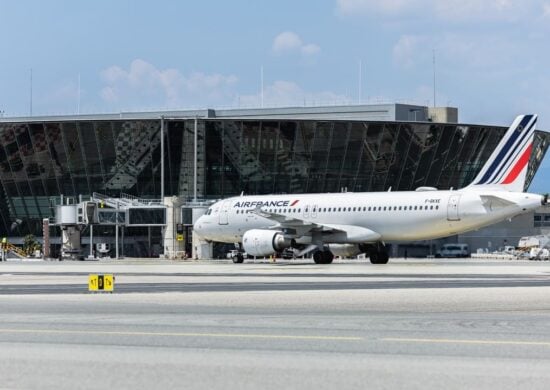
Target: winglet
{"type": "Point", "coordinates": [506, 169]}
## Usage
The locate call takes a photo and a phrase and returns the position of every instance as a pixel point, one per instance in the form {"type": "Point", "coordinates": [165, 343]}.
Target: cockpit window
{"type": "Point", "coordinates": [208, 212]}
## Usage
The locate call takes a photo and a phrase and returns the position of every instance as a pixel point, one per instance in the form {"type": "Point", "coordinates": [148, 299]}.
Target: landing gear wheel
{"type": "Point", "coordinates": [374, 257]}
{"type": "Point", "coordinates": [383, 258]}
{"type": "Point", "coordinates": [238, 259]}
{"type": "Point", "coordinates": [318, 257]}
{"type": "Point", "coordinates": [379, 255]}
{"type": "Point", "coordinates": [323, 257]}
{"type": "Point", "coordinates": [327, 257]}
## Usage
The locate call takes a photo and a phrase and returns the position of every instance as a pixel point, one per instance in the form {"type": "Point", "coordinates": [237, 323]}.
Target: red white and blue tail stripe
{"type": "Point", "coordinates": [507, 167]}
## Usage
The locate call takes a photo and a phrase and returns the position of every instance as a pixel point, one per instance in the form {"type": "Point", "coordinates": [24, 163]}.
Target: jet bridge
{"type": "Point", "coordinates": [171, 221]}
{"type": "Point", "coordinates": [73, 217]}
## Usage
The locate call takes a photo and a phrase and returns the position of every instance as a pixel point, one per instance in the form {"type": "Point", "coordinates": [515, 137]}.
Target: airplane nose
{"type": "Point", "coordinates": [203, 227]}
{"type": "Point", "coordinates": [198, 226]}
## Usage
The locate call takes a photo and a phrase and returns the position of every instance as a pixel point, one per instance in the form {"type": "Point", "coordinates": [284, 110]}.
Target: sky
{"type": "Point", "coordinates": [492, 57]}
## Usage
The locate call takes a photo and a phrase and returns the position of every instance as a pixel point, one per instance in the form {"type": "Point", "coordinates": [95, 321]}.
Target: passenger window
{"type": "Point", "coordinates": [437, 207]}
{"type": "Point", "coordinates": [354, 209]}
{"type": "Point", "coordinates": [369, 208]}
{"type": "Point", "coordinates": [431, 207]}
{"type": "Point", "coordinates": [384, 208]}
{"type": "Point", "coordinates": [415, 207]}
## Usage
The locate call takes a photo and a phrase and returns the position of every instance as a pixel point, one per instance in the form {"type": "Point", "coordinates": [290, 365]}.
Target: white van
{"type": "Point", "coordinates": [454, 250]}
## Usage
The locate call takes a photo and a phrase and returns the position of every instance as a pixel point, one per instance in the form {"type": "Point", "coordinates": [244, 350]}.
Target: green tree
{"type": "Point", "coordinates": [30, 245]}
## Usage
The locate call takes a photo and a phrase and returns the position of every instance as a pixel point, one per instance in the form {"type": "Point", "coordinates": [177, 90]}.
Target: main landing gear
{"type": "Point", "coordinates": [323, 256]}
{"type": "Point", "coordinates": [238, 259]}
{"type": "Point", "coordinates": [378, 254]}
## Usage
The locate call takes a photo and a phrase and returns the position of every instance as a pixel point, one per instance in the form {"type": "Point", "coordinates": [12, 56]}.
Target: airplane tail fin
{"type": "Point", "coordinates": [506, 169]}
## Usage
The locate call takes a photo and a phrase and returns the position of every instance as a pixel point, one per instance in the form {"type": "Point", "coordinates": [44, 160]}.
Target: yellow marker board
{"type": "Point", "coordinates": [99, 282]}
{"type": "Point", "coordinates": [179, 237]}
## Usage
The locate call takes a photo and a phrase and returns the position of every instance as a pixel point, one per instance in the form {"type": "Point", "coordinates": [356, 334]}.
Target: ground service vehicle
{"type": "Point", "coordinates": [454, 250]}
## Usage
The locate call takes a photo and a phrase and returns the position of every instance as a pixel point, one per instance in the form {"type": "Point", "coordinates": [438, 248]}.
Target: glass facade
{"type": "Point", "coordinates": [41, 160]}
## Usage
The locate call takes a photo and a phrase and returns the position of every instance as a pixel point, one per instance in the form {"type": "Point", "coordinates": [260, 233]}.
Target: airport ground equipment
{"type": "Point", "coordinates": [72, 218]}
{"type": "Point", "coordinates": [7, 248]}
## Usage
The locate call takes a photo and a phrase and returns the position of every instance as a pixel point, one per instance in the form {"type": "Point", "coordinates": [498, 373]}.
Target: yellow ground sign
{"type": "Point", "coordinates": [179, 237]}
{"type": "Point", "coordinates": [101, 282]}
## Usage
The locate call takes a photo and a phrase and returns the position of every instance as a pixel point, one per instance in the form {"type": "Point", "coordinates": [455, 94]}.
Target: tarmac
{"type": "Point", "coordinates": [426, 324]}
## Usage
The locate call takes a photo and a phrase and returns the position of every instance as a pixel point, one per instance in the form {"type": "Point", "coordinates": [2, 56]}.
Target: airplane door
{"type": "Point", "coordinates": [452, 208]}
{"type": "Point", "coordinates": [224, 212]}
{"type": "Point", "coordinates": [314, 211]}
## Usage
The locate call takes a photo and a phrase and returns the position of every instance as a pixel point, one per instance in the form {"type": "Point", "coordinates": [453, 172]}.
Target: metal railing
{"type": "Point", "coordinates": [125, 200]}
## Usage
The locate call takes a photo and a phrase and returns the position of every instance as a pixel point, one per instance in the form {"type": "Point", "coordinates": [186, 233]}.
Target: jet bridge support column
{"type": "Point", "coordinates": [70, 242]}
{"type": "Point", "coordinates": [202, 250]}
{"type": "Point", "coordinates": [173, 248]}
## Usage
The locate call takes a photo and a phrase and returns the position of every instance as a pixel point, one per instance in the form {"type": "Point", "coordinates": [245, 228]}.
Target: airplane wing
{"type": "Point", "coordinates": [300, 227]}
{"type": "Point", "coordinates": [284, 222]}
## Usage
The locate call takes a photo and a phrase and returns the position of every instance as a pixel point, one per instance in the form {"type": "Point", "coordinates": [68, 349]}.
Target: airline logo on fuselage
{"type": "Point", "coordinates": [267, 203]}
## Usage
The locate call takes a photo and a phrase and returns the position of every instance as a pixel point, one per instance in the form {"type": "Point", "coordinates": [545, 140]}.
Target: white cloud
{"type": "Point", "coordinates": [288, 93]}
{"type": "Point", "coordinates": [482, 51]}
{"type": "Point", "coordinates": [143, 84]}
{"type": "Point", "coordinates": [472, 10]}
{"type": "Point", "coordinates": [445, 10]}
{"type": "Point", "coordinates": [288, 41]}
{"type": "Point", "coordinates": [479, 51]}
{"type": "Point", "coordinates": [310, 49]}
{"type": "Point", "coordinates": [388, 7]}
{"type": "Point", "coordinates": [406, 49]}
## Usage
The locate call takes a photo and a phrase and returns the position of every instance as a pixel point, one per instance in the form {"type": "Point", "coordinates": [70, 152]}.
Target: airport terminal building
{"type": "Point", "coordinates": [212, 154]}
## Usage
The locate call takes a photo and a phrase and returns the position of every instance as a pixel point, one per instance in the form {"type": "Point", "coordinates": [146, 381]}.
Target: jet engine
{"type": "Point", "coordinates": [260, 242]}
{"type": "Point", "coordinates": [345, 250]}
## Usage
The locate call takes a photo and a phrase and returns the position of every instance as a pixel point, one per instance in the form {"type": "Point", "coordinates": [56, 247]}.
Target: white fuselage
{"type": "Point", "coordinates": [395, 216]}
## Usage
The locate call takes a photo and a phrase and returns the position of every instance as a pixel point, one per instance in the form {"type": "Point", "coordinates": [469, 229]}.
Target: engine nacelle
{"type": "Point", "coordinates": [260, 242]}
{"type": "Point", "coordinates": [345, 250]}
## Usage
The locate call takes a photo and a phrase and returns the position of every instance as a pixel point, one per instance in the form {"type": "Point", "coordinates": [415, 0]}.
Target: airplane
{"type": "Point", "coordinates": [347, 224]}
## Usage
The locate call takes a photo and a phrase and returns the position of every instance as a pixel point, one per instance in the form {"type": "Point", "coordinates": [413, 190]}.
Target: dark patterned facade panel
{"type": "Point", "coordinates": [40, 161]}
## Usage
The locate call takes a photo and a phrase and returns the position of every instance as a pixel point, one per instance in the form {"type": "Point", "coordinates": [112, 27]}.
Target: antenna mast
{"type": "Point", "coordinates": [30, 100]}
{"type": "Point", "coordinates": [434, 73]}
{"type": "Point", "coordinates": [262, 85]}
{"type": "Point", "coordinates": [360, 79]}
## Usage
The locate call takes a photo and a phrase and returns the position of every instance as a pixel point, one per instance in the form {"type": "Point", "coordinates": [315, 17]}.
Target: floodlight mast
{"type": "Point", "coordinates": [195, 151]}
{"type": "Point", "coordinates": [195, 161]}
{"type": "Point", "coordinates": [162, 158]}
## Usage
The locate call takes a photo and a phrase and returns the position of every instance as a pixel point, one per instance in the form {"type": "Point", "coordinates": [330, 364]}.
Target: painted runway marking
{"type": "Point", "coordinates": [471, 341]}
{"type": "Point", "coordinates": [182, 334]}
